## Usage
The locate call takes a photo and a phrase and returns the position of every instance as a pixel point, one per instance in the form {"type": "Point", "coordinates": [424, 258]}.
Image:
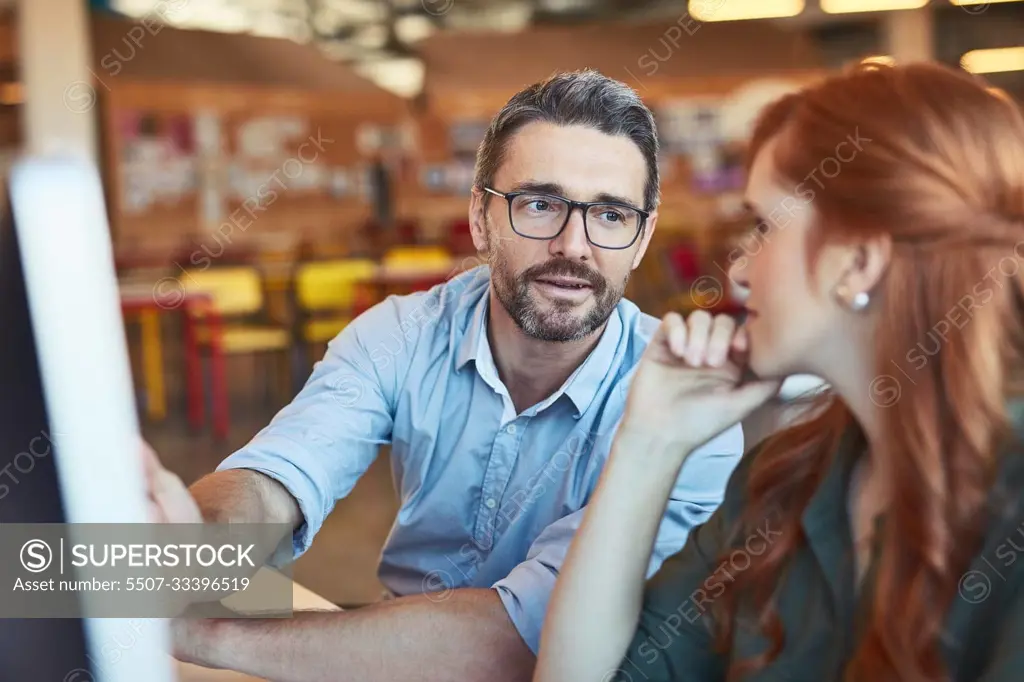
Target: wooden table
{"type": "Point", "coordinates": [302, 599]}
{"type": "Point", "coordinates": [148, 302]}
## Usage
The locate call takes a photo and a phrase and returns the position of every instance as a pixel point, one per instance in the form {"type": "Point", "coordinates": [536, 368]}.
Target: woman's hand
{"type": "Point", "coordinates": [687, 389]}
{"type": "Point", "coordinates": [689, 385]}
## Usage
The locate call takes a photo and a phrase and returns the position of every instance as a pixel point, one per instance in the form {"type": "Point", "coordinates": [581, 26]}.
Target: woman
{"type": "Point", "coordinates": [882, 538]}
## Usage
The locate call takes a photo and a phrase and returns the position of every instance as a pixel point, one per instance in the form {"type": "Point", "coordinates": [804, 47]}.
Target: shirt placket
{"type": "Point", "coordinates": [500, 464]}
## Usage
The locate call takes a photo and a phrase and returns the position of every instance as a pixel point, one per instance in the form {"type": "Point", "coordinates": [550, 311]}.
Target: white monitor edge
{"type": "Point", "coordinates": [64, 239]}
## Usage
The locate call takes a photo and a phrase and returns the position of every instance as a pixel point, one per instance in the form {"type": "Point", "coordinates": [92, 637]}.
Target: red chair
{"type": "Point", "coordinates": [684, 262]}
{"type": "Point", "coordinates": [460, 237]}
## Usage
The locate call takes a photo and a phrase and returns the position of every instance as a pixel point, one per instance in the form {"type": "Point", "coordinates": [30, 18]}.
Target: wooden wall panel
{"type": "Point", "coordinates": [331, 140]}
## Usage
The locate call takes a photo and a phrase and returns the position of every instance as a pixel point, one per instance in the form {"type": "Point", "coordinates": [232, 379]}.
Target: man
{"type": "Point", "coordinates": [499, 393]}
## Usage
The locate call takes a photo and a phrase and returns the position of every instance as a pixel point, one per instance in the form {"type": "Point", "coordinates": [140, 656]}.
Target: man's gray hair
{"type": "Point", "coordinates": [585, 98]}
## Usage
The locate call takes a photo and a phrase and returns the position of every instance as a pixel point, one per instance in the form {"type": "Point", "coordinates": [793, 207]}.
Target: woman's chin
{"type": "Point", "coordinates": [761, 366]}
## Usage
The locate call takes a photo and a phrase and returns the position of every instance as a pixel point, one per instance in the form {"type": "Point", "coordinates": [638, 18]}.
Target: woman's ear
{"type": "Point", "coordinates": [872, 260]}
{"type": "Point", "coordinates": [862, 267]}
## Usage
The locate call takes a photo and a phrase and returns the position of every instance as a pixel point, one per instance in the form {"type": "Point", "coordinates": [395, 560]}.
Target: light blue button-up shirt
{"type": "Point", "coordinates": [489, 497]}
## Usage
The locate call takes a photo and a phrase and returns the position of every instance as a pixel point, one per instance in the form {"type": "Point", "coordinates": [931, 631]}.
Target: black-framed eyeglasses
{"type": "Point", "coordinates": [607, 224]}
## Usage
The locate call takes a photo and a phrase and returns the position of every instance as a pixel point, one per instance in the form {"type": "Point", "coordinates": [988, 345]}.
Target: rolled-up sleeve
{"type": "Point", "coordinates": [699, 490]}
{"type": "Point", "coordinates": [319, 445]}
{"type": "Point", "coordinates": [525, 591]}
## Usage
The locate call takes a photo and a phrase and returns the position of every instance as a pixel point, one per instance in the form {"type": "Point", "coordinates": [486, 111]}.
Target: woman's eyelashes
{"type": "Point", "coordinates": [755, 233]}
{"type": "Point", "coordinates": [761, 225]}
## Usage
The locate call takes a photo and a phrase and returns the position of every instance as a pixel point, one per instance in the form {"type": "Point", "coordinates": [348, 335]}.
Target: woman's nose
{"type": "Point", "coordinates": [737, 277]}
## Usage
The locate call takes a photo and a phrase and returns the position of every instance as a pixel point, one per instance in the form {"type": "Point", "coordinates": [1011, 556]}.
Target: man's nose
{"type": "Point", "coordinates": [572, 241]}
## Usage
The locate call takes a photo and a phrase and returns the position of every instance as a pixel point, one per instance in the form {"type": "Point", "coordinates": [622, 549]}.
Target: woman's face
{"type": "Point", "coordinates": [794, 324]}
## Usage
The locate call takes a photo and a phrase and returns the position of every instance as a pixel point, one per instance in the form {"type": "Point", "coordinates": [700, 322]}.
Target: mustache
{"type": "Point", "coordinates": [567, 268]}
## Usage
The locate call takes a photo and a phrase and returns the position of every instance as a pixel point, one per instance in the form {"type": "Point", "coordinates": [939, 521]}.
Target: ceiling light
{"type": "Point", "coordinates": [413, 28]}
{"type": "Point", "coordinates": [212, 17]}
{"type": "Point", "coordinates": [978, 5]}
{"type": "Point", "coordinates": [563, 5]}
{"type": "Point", "coordinates": [506, 18]}
{"type": "Point", "coordinates": [326, 21]}
{"type": "Point", "coordinates": [879, 59]}
{"type": "Point", "coordinates": [358, 11]}
{"type": "Point", "coordinates": [371, 37]}
{"type": "Point", "coordinates": [994, 61]}
{"type": "Point", "coordinates": [270, 26]}
{"type": "Point", "coordinates": [847, 6]}
{"type": "Point", "coordinates": [402, 76]}
{"type": "Point", "coordinates": [738, 10]}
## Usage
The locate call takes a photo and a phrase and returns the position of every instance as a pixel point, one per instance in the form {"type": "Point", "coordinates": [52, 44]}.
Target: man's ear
{"type": "Point", "coordinates": [645, 239]}
{"type": "Point", "coordinates": [478, 219]}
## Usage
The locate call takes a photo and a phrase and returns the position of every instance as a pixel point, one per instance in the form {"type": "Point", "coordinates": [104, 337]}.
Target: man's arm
{"type": "Point", "coordinates": [245, 496]}
{"type": "Point", "coordinates": [463, 635]}
{"type": "Point", "coordinates": [318, 446]}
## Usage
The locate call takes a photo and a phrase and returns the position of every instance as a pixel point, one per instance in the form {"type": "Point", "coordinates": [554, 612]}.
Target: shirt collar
{"type": "Point", "coordinates": [469, 347]}
{"type": "Point", "coordinates": [583, 384]}
{"type": "Point", "coordinates": [587, 380]}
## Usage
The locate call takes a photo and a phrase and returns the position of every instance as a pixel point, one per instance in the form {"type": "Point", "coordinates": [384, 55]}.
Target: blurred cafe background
{"type": "Point", "coordinates": [274, 167]}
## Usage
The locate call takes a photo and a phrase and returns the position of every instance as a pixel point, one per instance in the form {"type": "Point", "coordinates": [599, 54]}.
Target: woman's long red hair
{"type": "Point", "coordinates": [939, 167]}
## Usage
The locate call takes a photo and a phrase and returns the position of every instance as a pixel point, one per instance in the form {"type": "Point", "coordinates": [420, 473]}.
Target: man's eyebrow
{"type": "Point", "coordinates": [555, 188]}
{"type": "Point", "coordinates": [539, 187]}
{"type": "Point", "coordinates": [616, 199]}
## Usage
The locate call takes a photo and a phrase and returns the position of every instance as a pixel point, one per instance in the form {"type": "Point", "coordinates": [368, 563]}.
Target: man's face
{"type": "Point", "coordinates": [561, 289]}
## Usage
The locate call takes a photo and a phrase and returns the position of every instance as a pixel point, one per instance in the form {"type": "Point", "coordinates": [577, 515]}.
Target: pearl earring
{"type": "Point", "coordinates": [860, 301]}
{"type": "Point", "coordinates": [856, 302]}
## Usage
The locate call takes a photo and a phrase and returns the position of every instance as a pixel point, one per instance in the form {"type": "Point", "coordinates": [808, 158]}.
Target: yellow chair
{"type": "Point", "coordinates": [326, 295]}
{"type": "Point", "coordinates": [237, 295]}
{"type": "Point", "coordinates": [237, 292]}
{"type": "Point", "coordinates": [417, 258]}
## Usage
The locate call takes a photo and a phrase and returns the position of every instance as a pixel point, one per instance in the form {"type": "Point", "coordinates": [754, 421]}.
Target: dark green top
{"type": "Point", "coordinates": [818, 601]}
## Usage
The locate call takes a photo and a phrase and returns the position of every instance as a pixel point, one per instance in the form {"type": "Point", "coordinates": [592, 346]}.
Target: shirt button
{"type": "Point", "coordinates": [491, 504]}
{"type": "Point", "coordinates": [511, 429]}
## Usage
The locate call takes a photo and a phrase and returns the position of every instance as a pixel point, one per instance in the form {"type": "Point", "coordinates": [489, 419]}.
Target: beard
{"type": "Point", "coordinates": [560, 321]}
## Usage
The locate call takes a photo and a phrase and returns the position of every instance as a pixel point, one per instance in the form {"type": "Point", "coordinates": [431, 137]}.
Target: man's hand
{"type": "Point", "coordinates": [169, 499]}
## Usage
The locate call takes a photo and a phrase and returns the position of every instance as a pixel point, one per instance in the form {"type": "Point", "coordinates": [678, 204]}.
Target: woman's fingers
{"type": "Point", "coordinates": [675, 334]}
{"type": "Point", "coordinates": [740, 340]}
{"type": "Point", "coordinates": [698, 328]}
{"type": "Point", "coordinates": [699, 340]}
{"type": "Point", "coordinates": [709, 339]}
{"type": "Point", "coordinates": [720, 340]}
